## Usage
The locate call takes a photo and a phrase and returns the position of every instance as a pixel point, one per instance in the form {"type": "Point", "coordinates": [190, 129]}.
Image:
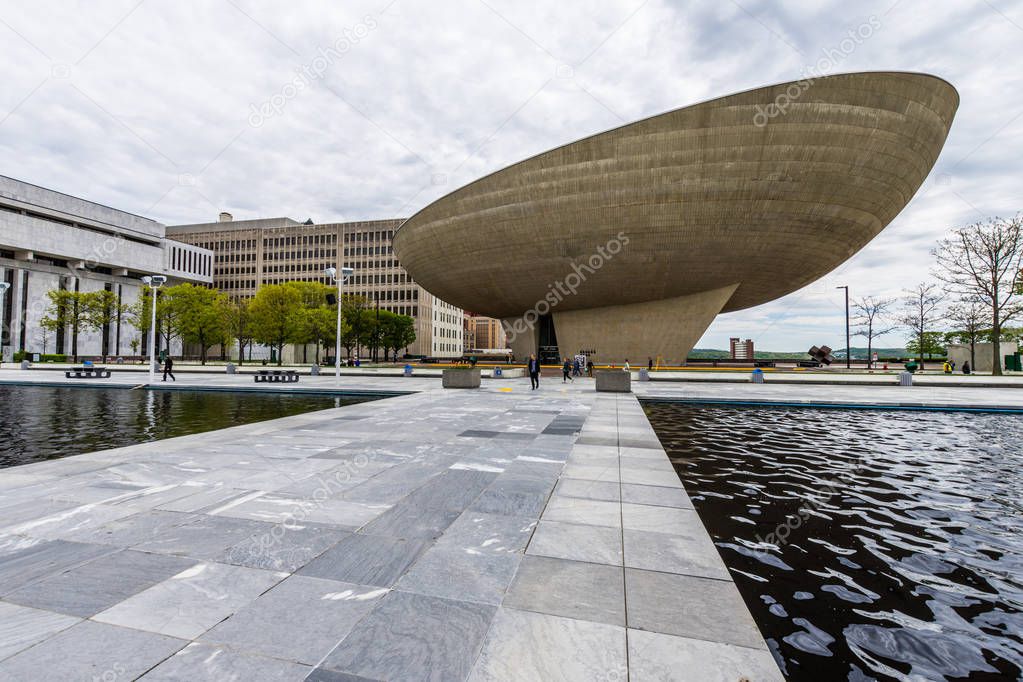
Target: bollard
{"type": "Point", "coordinates": [905, 378]}
{"type": "Point", "coordinates": [230, 368]}
{"type": "Point", "coordinates": [314, 370]}
{"type": "Point", "coordinates": [757, 377]}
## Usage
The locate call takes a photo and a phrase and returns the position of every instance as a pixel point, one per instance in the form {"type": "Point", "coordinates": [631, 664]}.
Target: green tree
{"type": "Point", "coordinates": [275, 316]}
{"type": "Point", "coordinates": [238, 323]}
{"type": "Point", "coordinates": [933, 344]}
{"type": "Point", "coordinates": [65, 310]}
{"type": "Point", "coordinates": [353, 331]}
{"type": "Point", "coordinates": [397, 332]}
{"type": "Point", "coordinates": [200, 315]}
{"type": "Point", "coordinates": [100, 309]}
{"type": "Point", "coordinates": [316, 321]}
{"type": "Point", "coordinates": [968, 318]}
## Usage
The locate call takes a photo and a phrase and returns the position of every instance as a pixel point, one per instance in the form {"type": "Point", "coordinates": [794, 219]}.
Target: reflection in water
{"type": "Point", "coordinates": [867, 544]}
{"type": "Point", "coordinates": [38, 422]}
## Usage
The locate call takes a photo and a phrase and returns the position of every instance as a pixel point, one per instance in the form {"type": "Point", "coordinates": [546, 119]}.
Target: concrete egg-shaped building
{"type": "Point", "coordinates": [628, 243]}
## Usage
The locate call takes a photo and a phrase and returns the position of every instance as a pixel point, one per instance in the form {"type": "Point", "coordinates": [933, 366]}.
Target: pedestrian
{"type": "Point", "coordinates": [589, 367]}
{"type": "Point", "coordinates": [966, 367]}
{"type": "Point", "coordinates": [577, 367]}
{"type": "Point", "coordinates": [168, 367]}
{"type": "Point", "coordinates": [649, 364]}
{"type": "Point", "coordinates": [626, 367]}
{"type": "Point", "coordinates": [947, 367]}
{"type": "Point", "coordinates": [566, 371]}
{"type": "Point", "coordinates": [533, 367]}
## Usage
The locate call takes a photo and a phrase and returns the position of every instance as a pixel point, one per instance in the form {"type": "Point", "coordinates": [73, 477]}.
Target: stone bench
{"type": "Point", "coordinates": [288, 376]}
{"type": "Point", "coordinates": [87, 373]}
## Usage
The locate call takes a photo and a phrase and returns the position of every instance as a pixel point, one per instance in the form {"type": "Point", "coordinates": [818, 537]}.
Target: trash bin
{"type": "Point", "coordinates": [314, 370]}
{"type": "Point", "coordinates": [498, 372]}
{"type": "Point", "coordinates": [408, 370]}
{"type": "Point", "coordinates": [905, 378]}
{"type": "Point", "coordinates": [757, 376]}
{"type": "Point", "coordinates": [230, 368]}
{"type": "Point", "coordinates": [644, 374]}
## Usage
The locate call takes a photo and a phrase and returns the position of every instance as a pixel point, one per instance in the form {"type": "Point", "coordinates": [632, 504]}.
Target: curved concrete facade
{"type": "Point", "coordinates": [755, 194]}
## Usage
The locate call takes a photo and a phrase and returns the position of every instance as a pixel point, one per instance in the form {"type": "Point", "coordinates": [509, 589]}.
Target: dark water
{"type": "Point", "coordinates": [867, 544]}
{"type": "Point", "coordinates": [38, 422]}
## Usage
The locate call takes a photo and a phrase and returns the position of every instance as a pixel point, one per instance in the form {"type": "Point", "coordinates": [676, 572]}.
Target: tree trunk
{"type": "Point", "coordinates": [996, 347]}
{"type": "Point", "coordinates": [74, 342]}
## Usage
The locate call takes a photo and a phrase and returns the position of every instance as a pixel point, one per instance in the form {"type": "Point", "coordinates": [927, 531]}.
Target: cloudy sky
{"type": "Point", "coordinates": [358, 110]}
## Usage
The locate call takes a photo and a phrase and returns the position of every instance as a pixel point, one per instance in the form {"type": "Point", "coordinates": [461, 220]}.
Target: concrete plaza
{"type": "Point", "coordinates": [493, 534]}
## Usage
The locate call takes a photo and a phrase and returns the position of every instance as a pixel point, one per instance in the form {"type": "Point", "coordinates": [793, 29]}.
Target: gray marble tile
{"type": "Point", "coordinates": [21, 627]}
{"type": "Point", "coordinates": [608, 491]}
{"type": "Point", "coordinates": [668, 479]}
{"type": "Point", "coordinates": [70, 523]}
{"type": "Point", "coordinates": [410, 521]}
{"type": "Point", "coordinates": [668, 520]}
{"type": "Point", "coordinates": [134, 530]}
{"type": "Point", "coordinates": [454, 489]}
{"type": "Point", "coordinates": [204, 497]}
{"type": "Point", "coordinates": [688, 606]}
{"type": "Point", "coordinates": [658, 496]}
{"type": "Point", "coordinates": [87, 589]}
{"type": "Point", "coordinates": [192, 601]}
{"type": "Point", "coordinates": [593, 472]}
{"type": "Point", "coordinates": [655, 657]}
{"type": "Point", "coordinates": [482, 533]}
{"type": "Point", "coordinates": [414, 637]}
{"type": "Point", "coordinates": [389, 486]}
{"type": "Point", "coordinates": [324, 675]}
{"type": "Point", "coordinates": [457, 573]}
{"type": "Point", "coordinates": [587, 512]}
{"type": "Point", "coordinates": [26, 560]}
{"type": "Point", "coordinates": [198, 662]}
{"type": "Point", "coordinates": [524, 646]}
{"type": "Point", "coordinates": [204, 537]}
{"type": "Point", "coordinates": [573, 589]}
{"type": "Point", "coordinates": [690, 553]}
{"type": "Point", "coordinates": [367, 559]}
{"type": "Point", "coordinates": [301, 619]}
{"type": "Point", "coordinates": [90, 651]}
{"type": "Point", "coordinates": [596, 544]}
{"type": "Point", "coordinates": [284, 547]}
{"type": "Point", "coordinates": [515, 495]}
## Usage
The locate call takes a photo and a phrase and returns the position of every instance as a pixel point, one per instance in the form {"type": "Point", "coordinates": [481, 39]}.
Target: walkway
{"type": "Point", "coordinates": [500, 534]}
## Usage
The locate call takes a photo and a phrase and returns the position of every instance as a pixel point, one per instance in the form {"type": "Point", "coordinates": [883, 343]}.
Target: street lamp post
{"type": "Point", "coordinates": [333, 274]}
{"type": "Point", "coordinates": [4, 286]}
{"type": "Point", "coordinates": [848, 359]}
{"type": "Point", "coordinates": [154, 282]}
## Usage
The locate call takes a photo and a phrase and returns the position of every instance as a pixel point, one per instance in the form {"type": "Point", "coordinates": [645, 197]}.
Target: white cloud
{"type": "Point", "coordinates": [146, 106]}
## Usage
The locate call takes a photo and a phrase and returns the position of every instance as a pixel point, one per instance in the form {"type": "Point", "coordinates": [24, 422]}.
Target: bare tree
{"type": "Point", "coordinates": [983, 261]}
{"type": "Point", "coordinates": [870, 319]}
{"type": "Point", "coordinates": [921, 311]}
{"type": "Point", "coordinates": [969, 317]}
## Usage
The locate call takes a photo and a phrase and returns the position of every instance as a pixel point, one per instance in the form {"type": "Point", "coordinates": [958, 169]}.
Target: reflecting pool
{"type": "Point", "coordinates": [40, 422]}
{"type": "Point", "coordinates": [868, 544]}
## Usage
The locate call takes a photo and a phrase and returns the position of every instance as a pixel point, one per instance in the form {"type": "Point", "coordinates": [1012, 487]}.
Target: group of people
{"type": "Point", "coordinates": [950, 366]}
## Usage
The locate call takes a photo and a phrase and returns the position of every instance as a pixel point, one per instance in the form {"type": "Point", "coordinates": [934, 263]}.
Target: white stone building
{"type": "Point", "coordinates": [50, 240]}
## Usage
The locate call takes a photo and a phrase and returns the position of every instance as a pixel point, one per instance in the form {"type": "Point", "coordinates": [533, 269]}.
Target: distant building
{"type": "Point", "coordinates": [50, 241]}
{"type": "Point", "coordinates": [483, 333]}
{"type": "Point", "coordinates": [251, 253]}
{"type": "Point", "coordinates": [741, 350]}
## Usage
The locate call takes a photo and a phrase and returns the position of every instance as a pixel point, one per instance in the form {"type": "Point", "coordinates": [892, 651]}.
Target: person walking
{"type": "Point", "coordinates": [577, 367]}
{"type": "Point", "coordinates": [566, 371]}
{"type": "Point", "coordinates": [649, 364]}
{"type": "Point", "coordinates": [627, 367]}
{"type": "Point", "coordinates": [533, 367]}
{"type": "Point", "coordinates": [168, 368]}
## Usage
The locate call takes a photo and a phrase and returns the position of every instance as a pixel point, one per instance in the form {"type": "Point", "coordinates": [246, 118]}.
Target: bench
{"type": "Point", "coordinates": [87, 373]}
{"type": "Point", "coordinates": [287, 376]}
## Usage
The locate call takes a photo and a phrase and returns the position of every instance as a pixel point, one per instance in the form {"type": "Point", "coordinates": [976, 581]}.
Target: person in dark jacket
{"type": "Point", "coordinates": [533, 367]}
{"type": "Point", "coordinates": [566, 371]}
{"type": "Point", "coordinates": [168, 367]}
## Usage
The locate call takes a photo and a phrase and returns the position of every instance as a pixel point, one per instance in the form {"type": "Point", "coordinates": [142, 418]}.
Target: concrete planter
{"type": "Point", "coordinates": [614, 381]}
{"type": "Point", "coordinates": [461, 378]}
